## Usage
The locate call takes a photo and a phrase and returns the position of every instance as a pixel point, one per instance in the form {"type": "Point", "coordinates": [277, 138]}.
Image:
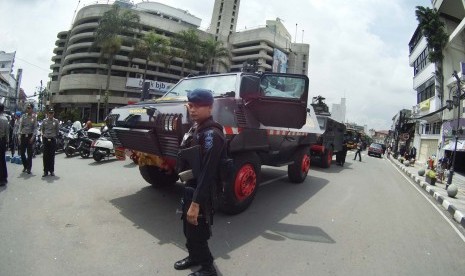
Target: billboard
{"type": "Point", "coordinates": [279, 61]}
{"type": "Point", "coordinates": [157, 86]}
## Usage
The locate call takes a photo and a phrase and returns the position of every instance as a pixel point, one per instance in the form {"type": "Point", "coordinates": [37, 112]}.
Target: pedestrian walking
{"type": "Point", "coordinates": [358, 152]}
{"type": "Point", "coordinates": [341, 155]}
{"type": "Point", "coordinates": [199, 194]}
{"type": "Point", "coordinates": [50, 128]}
{"type": "Point", "coordinates": [26, 131]}
{"type": "Point", "coordinates": [4, 138]}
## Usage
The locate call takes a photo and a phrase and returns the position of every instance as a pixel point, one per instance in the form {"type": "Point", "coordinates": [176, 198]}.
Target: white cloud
{"type": "Point", "coordinates": [358, 48]}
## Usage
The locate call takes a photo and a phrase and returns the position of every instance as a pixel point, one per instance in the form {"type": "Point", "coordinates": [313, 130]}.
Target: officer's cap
{"type": "Point", "coordinates": [200, 96]}
{"type": "Point", "coordinates": [51, 110]}
{"type": "Point", "coordinates": [30, 105]}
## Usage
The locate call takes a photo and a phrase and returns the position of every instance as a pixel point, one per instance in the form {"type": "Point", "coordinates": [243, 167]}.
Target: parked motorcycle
{"type": "Point", "coordinates": [86, 143]}
{"type": "Point", "coordinates": [74, 141]}
{"type": "Point", "coordinates": [103, 146]}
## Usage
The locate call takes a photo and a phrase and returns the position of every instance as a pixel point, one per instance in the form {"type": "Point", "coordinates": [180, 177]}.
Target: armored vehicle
{"type": "Point", "coordinates": [265, 119]}
{"type": "Point", "coordinates": [332, 139]}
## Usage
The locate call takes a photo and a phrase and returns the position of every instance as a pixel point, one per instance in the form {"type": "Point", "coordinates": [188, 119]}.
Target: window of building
{"type": "Point", "coordinates": [425, 94]}
{"type": "Point", "coordinates": [431, 128]}
{"type": "Point", "coordinates": [421, 62]}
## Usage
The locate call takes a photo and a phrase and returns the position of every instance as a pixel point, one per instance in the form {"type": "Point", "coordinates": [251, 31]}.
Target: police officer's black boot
{"type": "Point", "coordinates": [205, 270]}
{"type": "Point", "coordinates": [184, 263]}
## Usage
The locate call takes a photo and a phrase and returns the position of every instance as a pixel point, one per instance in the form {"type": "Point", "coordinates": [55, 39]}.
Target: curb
{"type": "Point", "coordinates": [445, 203]}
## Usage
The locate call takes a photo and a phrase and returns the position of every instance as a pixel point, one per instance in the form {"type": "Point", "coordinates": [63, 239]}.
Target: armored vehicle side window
{"type": "Point", "coordinates": [282, 87]}
{"type": "Point", "coordinates": [219, 85]}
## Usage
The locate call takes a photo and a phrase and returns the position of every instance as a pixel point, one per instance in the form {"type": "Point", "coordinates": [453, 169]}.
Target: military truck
{"type": "Point", "coordinates": [332, 139]}
{"type": "Point", "coordinates": [265, 119]}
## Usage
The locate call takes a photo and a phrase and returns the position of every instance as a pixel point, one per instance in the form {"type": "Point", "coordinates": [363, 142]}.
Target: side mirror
{"type": "Point", "coordinates": [250, 87]}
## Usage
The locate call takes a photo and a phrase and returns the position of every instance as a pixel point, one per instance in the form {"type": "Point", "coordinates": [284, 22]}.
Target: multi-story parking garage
{"type": "Point", "coordinates": [79, 80]}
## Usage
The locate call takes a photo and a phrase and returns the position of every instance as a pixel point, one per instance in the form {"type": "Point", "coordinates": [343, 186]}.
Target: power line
{"type": "Point", "coordinates": [47, 70]}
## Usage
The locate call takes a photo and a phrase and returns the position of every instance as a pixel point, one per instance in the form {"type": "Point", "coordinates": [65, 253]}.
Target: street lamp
{"type": "Point", "coordinates": [449, 103]}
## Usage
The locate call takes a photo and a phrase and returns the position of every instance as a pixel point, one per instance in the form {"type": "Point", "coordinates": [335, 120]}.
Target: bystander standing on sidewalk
{"type": "Point", "coordinates": [4, 137]}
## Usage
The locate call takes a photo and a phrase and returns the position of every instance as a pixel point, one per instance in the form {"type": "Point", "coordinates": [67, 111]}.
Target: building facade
{"type": "Point", "coordinates": [8, 82]}
{"type": "Point", "coordinates": [453, 14]}
{"type": "Point", "coordinates": [338, 111]}
{"type": "Point", "coordinates": [427, 128]}
{"type": "Point", "coordinates": [78, 79]}
{"type": "Point", "coordinates": [434, 123]}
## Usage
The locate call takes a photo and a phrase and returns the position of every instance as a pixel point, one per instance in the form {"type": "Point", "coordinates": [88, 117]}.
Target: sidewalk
{"type": "Point", "coordinates": [455, 206]}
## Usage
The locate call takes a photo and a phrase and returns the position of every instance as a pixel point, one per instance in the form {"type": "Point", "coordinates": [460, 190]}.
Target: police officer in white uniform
{"type": "Point", "coordinates": [49, 128]}
{"type": "Point", "coordinates": [27, 131]}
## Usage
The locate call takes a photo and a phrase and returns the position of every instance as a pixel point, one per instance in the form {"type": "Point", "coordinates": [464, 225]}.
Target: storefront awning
{"type": "Point", "coordinates": [451, 145]}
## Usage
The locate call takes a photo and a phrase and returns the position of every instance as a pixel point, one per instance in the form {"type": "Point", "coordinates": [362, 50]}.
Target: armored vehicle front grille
{"type": "Point", "coordinates": [162, 144]}
{"type": "Point", "coordinates": [240, 116]}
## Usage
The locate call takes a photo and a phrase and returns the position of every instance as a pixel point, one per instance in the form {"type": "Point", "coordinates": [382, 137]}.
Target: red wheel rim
{"type": "Point", "coordinates": [305, 163]}
{"type": "Point", "coordinates": [245, 183]}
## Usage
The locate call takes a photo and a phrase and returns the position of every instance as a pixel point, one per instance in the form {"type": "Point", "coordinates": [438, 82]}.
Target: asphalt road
{"type": "Point", "coordinates": [103, 219]}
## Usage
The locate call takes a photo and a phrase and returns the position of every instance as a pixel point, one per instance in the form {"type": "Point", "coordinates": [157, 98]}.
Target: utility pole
{"type": "Point", "coordinates": [397, 134]}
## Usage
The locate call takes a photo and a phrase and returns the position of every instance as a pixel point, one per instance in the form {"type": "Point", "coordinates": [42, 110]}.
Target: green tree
{"type": "Point", "coordinates": [433, 29]}
{"type": "Point", "coordinates": [111, 33]}
{"type": "Point", "coordinates": [152, 47]}
{"type": "Point", "coordinates": [188, 48]}
{"type": "Point", "coordinates": [214, 51]}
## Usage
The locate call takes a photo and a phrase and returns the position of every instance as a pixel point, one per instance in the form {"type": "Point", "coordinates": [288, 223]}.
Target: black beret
{"type": "Point", "coordinates": [200, 96]}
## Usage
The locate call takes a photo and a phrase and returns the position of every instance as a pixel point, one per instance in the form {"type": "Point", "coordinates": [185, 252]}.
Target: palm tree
{"type": "Point", "coordinates": [152, 47]}
{"type": "Point", "coordinates": [188, 48]}
{"type": "Point", "coordinates": [213, 50]}
{"type": "Point", "coordinates": [110, 35]}
{"type": "Point", "coordinates": [433, 29]}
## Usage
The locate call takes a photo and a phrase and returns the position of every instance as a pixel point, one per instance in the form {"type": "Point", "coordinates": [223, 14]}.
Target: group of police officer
{"type": "Point", "coordinates": [198, 208]}
{"type": "Point", "coordinates": [27, 129]}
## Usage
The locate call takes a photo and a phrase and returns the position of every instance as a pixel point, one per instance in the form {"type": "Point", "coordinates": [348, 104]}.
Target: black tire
{"type": "Point", "coordinates": [69, 152]}
{"type": "Point", "coordinates": [241, 185]}
{"type": "Point", "coordinates": [326, 159]}
{"type": "Point", "coordinates": [156, 177]}
{"type": "Point", "coordinates": [84, 153]}
{"type": "Point", "coordinates": [98, 156]}
{"type": "Point", "coordinates": [297, 172]}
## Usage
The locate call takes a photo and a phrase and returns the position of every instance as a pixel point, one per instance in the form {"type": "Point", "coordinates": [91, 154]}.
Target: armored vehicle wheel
{"type": "Point", "coordinates": [241, 187]}
{"type": "Point", "coordinates": [327, 158]}
{"type": "Point", "coordinates": [156, 177]}
{"type": "Point", "coordinates": [297, 172]}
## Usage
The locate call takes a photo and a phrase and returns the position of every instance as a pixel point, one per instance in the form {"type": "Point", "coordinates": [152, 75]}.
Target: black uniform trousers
{"type": "Point", "coordinates": [197, 236]}
{"type": "Point", "coordinates": [197, 241]}
{"type": "Point", "coordinates": [358, 152]}
{"type": "Point", "coordinates": [49, 154]}
{"type": "Point", "coordinates": [24, 147]}
{"type": "Point", "coordinates": [3, 170]}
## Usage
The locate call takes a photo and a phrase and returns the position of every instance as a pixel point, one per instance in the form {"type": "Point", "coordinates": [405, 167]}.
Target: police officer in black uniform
{"type": "Point", "coordinates": [198, 204]}
{"type": "Point", "coordinates": [49, 128]}
{"type": "Point", "coordinates": [27, 134]}
{"type": "Point", "coordinates": [4, 137]}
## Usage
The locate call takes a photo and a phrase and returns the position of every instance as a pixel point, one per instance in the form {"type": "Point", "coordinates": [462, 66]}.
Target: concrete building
{"type": "Point", "coordinates": [453, 14]}
{"type": "Point", "coordinates": [428, 128]}
{"type": "Point", "coordinates": [78, 79]}
{"type": "Point", "coordinates": [8, 82]}
{"type": "Point", "coordinates": [338, 111]}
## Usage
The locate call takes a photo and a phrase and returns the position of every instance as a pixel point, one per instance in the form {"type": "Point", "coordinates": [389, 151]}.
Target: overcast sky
{"type": "Point", "coordinates": [358, 48]}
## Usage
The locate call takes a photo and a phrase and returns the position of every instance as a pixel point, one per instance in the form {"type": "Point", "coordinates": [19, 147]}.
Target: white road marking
{"type": "Point", "coordinates": [272, 180]}
{"type": "Point", "coordinates": [432, 203]}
